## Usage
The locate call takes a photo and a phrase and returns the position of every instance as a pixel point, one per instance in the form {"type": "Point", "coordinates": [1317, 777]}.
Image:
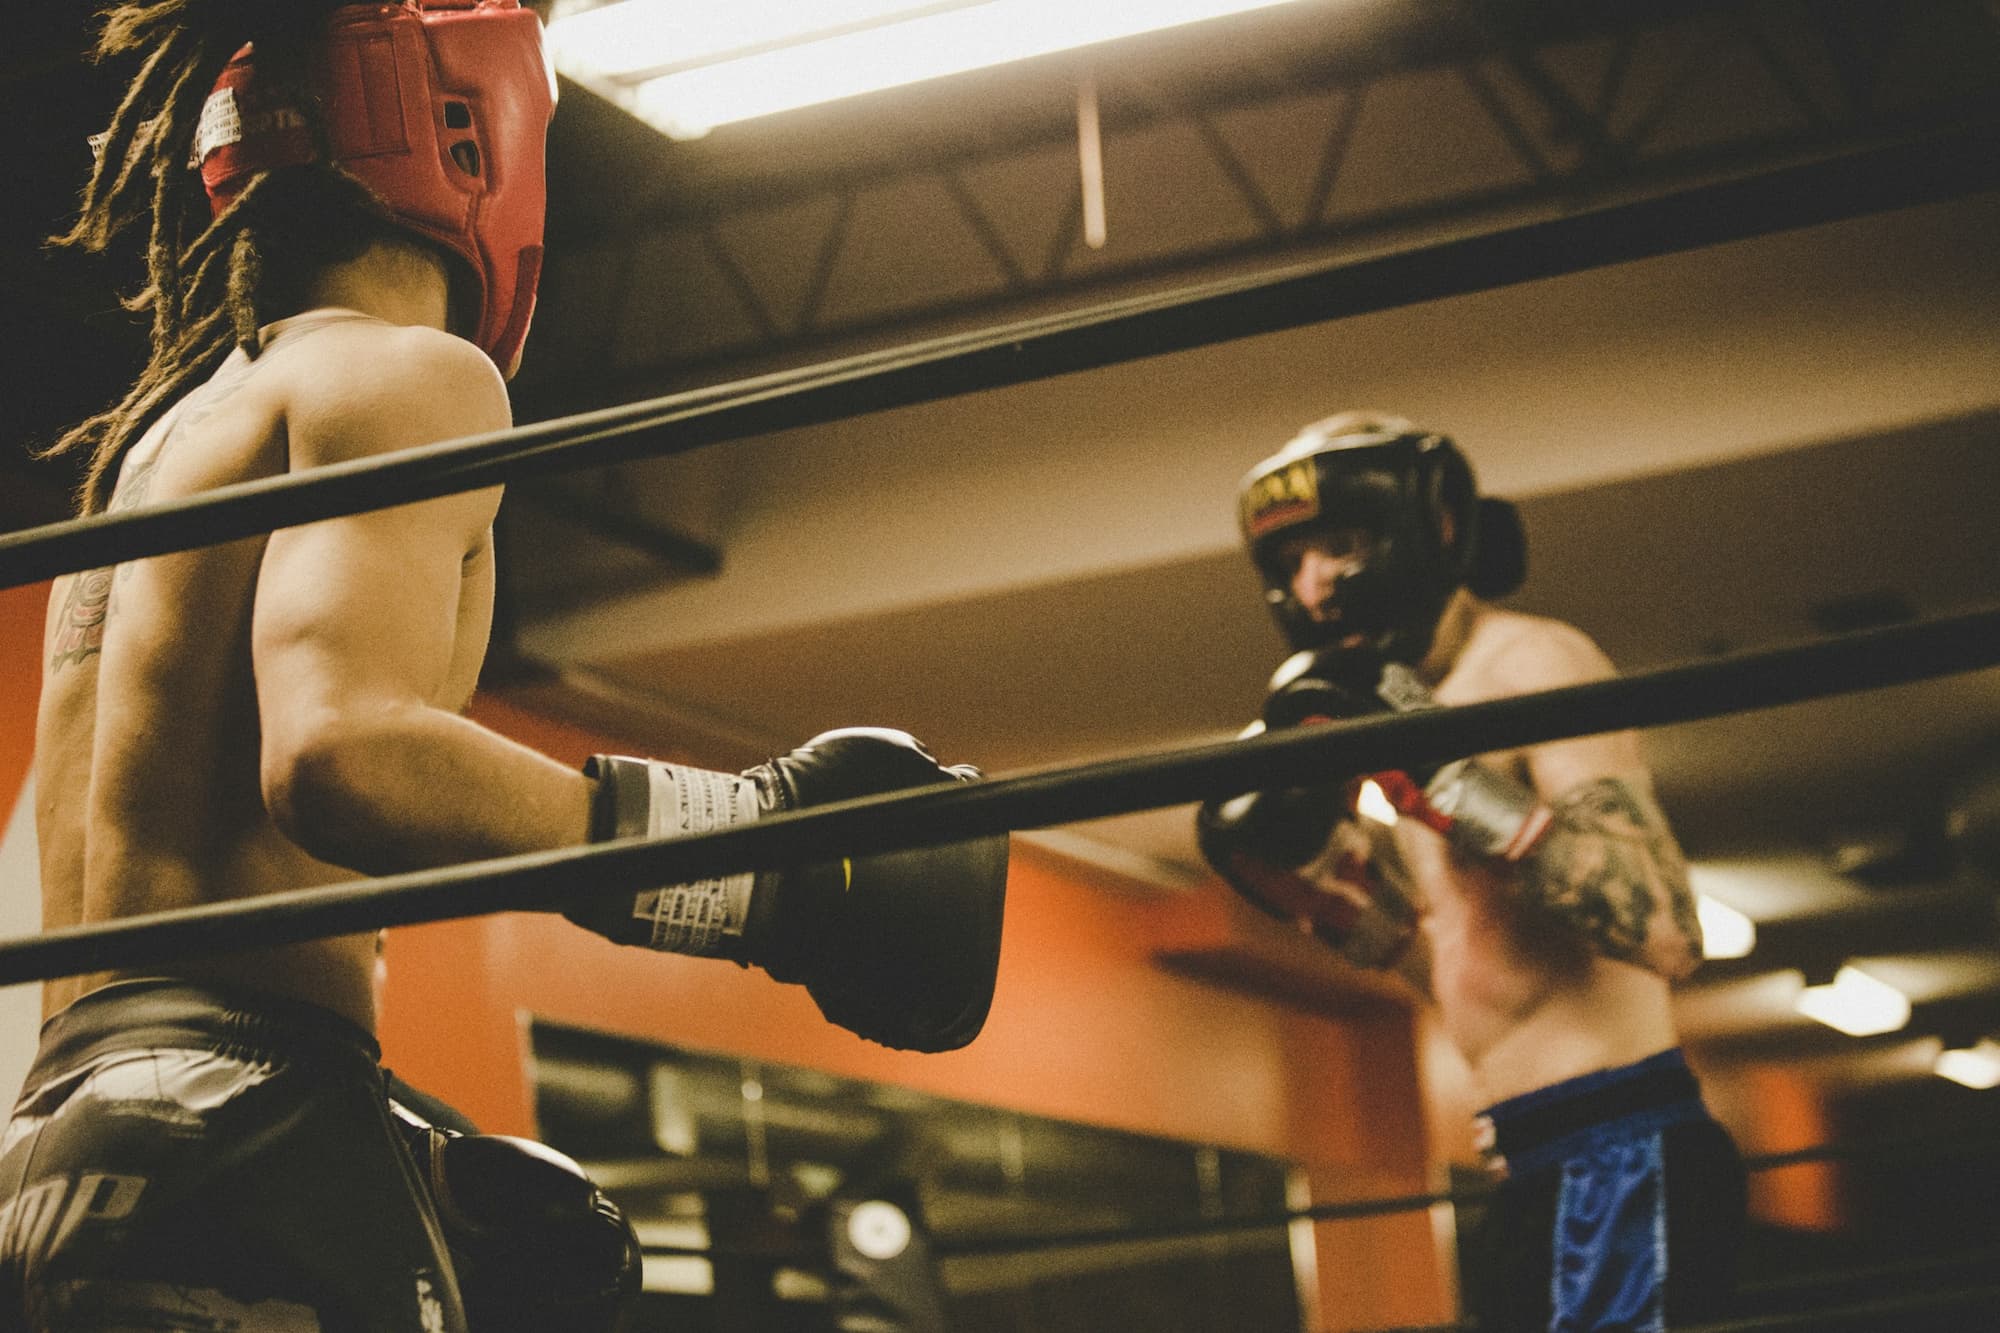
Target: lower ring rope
{"type": "Point", "coordinates": [957, 812]}
{"type": "Point", "coordinates": [1351, 1209]}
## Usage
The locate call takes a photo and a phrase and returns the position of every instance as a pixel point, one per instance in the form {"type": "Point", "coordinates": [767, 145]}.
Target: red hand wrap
{"type": "Point", "coordinates": [1409, 799]}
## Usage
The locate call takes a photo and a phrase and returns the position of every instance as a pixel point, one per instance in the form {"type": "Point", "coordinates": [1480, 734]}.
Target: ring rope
{"type": "Point", "coordinates": [955, 812]}
{"type": "Point", "coordinates": [1885, 1150]}
{"type": "Point", "coordinates": [1833, 1318]}
{"type": "Point", "coordinates": [1802, 1316]}
{"type": "Point", "coordinates": [1856, 1317]}
{"type": "Point", "coordinates": [1942, 166]}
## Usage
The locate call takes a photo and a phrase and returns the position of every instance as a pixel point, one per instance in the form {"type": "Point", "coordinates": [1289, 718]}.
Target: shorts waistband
{"type": "Point", "coordinates": [128, 1015]}
{"type": "Point", "coordinates": [1518, 1134]}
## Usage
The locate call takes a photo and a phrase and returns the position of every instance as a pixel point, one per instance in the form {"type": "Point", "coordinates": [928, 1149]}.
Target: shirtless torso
{"type": "Point", "coordinates": [151, 763]}
{"type": "Point", "coordinates": [1527, 997]}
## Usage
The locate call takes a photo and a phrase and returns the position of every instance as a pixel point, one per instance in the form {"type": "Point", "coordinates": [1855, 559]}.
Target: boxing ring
{"type": "Point", "coordinates": [1819, 192]}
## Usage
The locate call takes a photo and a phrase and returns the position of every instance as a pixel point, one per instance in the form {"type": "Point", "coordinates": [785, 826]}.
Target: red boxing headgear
{"type": "Point", "coordinates": [441, 108]}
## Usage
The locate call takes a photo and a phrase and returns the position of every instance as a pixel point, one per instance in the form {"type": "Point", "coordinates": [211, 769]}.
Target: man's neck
{"type": "Point", "coordinates": [1454, 631]}
{"type": "Point", "coordinates": [398, 284]}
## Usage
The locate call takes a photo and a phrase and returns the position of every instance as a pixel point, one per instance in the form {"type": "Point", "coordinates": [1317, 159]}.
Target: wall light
{"type": "Point", "coordinates": [1975, 1066]}
{"type": "Point", "coordinates": [779, 56]}
{"type": "Point", "coordinates": [1725, 932]}
{"type": "Point", "coordinates": [1856, 1003]}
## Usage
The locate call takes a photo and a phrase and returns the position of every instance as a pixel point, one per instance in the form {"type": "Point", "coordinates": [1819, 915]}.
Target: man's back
{"type": "Point", "coordinates": [149, 740]}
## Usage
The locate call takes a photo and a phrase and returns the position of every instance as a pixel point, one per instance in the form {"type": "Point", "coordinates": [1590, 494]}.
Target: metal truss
{"type": "Point", "coordinates": [1469, 113]}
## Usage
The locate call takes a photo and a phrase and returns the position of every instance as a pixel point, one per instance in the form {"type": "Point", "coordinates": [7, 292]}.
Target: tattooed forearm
{"type": "Point", "coordinates": [1609, 868]}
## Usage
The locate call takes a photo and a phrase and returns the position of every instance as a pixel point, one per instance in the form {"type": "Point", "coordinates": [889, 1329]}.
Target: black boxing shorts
{"type": "Point", "coordinates": [188, 1158]}
{"type": "Point", "coordinates": [1621, 1206]}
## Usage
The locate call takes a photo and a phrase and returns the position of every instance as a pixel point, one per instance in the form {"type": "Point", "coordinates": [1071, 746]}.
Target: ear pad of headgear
{"type": "Point", "coordinates": [1499, 562]}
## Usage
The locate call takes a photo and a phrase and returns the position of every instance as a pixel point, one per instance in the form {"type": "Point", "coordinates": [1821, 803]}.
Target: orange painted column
{"type": "Point", "coordinates": [21, 612]}
{"type": "Point", "coordinates": [1777, 1110]}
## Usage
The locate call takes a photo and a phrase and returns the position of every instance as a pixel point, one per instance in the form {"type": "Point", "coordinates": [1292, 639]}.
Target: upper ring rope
{"type": "Point", "coordinates": [956, 812]}
{"type": "Point", "coordinates": [1940, 167]}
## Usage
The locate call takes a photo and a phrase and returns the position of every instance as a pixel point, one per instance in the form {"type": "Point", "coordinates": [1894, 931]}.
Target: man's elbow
{"type": "Point", "coordinates": [316, 779]}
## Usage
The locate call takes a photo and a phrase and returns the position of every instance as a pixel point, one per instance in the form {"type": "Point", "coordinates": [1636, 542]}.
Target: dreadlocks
{"type": "Point", "coordinates": [211, 283]}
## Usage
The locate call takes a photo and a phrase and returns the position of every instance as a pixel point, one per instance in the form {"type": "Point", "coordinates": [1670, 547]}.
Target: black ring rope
{"type": "Point", "coordinates": [1814, 1320]}
{"type": "Point", "coordinates": [1805, 1317]}
{"type": "Point", "coordinates": [1350, 1209]}
{"type": "Point", "coordinates": [955, 812]}
{"type": "Point", "coordinates": [1942, 166]}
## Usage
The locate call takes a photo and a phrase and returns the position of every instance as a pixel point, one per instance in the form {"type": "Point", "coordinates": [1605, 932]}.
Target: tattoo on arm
{"type": "Point", "coordinates": [1609, 868]}
{"type": "Point", "coordinates": [87, 602]}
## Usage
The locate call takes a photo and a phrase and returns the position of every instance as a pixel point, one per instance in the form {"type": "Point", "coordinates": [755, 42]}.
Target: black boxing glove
{"type": "Point", "coordinates": [1289, 826]}
{"type": "Point", "coordinates": [1315, 687]}
{"type": "Point", "coordinates": [901, 947]}
{"type": "Point", "coordinates": [1266, 844]}
{"type": "Point", "coordinates": [1275, 849]}
{"type": "Point", "coordinates": [535, 1245]}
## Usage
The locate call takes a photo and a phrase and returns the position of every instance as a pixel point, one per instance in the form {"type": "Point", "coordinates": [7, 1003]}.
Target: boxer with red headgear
{"type": "Point", "coordinates": [1536, 897]}
{"type": "Point", "coordinates": [440, 112]}
{"type": "Point", "coordinates": [343, 216]}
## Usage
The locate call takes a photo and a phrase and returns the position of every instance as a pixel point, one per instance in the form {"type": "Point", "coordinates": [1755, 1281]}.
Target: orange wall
{"type": "Point", "coordinates": [1085, 1026]}
{"type": "Point", "coordinates": [20, 685]}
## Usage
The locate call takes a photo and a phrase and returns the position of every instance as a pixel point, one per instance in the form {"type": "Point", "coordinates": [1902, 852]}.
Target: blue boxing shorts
{"type": "Point", "coordinates": [1620, 1207]}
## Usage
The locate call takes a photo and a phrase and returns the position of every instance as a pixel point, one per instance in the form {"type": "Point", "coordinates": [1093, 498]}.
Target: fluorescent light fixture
{"type": "Point", "coordinates": [1856, 1003]}
{"type": "Point", "coordinates": [820, 53]}
{"type": "Point", "coordinates": [681, 1274]}
{"type": "Point", "coordinates": [1725, 932]}
{"type": "Point", "coordinates": [1371, 803]}
{"type": "Point", "coordinates": [1976, 1066]}
{"type": "Point", "coordinates": [649, 37]}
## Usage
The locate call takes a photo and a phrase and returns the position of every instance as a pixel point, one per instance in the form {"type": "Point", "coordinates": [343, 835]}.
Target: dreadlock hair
{"type": "Point", "coordinates": [211, 283]}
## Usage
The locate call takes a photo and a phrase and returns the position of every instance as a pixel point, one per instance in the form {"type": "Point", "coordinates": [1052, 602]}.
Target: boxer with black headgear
{"type": "Point", "coordinates": [1536, 897]}
{"type": "Point", "coordinates": [1392, 514]}
{"type": "Point", "coordinates": [342, 205]}
{"type": "Point", "coordinates": [1398, 526]}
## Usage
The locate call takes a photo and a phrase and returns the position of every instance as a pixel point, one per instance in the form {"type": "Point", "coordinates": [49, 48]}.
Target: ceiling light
{"type": "Point", "coordinates": [681, 1274]}
{"type": "Point", "coordinates": [642, 38]}
{"type": "Point", "coordinates": [704, 78]}
{"type": "Point", "coordinates": [1975, 1066]}
{"type": "Point", "coordinates": [1725, 932]}
{"type": "Point", "coordinates": [1856, 1003]}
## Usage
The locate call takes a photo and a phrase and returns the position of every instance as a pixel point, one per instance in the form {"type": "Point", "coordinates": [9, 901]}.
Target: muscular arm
{"type": "Point", "coordinates": [357, 631]}
{"type": "Point", "coordinates": [1609, 869]}
{"type": "Point", "coordinates": [1571, 827]}
{"type": "Point", "coordinates": [1608, 866]}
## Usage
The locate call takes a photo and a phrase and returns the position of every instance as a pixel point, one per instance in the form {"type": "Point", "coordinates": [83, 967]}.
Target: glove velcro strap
{"type": "Point", "coordinates": [645, 798]}
{"type": "Point", "coordinates": [1489, 813]}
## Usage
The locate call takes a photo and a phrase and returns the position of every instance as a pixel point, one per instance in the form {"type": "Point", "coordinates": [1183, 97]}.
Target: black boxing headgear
{"type": "Point", "coordinates": [1412, 493]}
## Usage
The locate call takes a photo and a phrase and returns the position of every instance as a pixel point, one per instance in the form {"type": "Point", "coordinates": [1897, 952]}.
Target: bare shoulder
{"type": "Point", "coordinates": [1511, 652]}
{"type": "Point", "coordinates": [367, 388]}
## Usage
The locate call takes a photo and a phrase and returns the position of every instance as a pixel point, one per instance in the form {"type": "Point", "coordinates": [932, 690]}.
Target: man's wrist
{"type": "Point", "coordinates": [1485, 812]}
{"type": "Point", "coordinates": [652, 799]}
